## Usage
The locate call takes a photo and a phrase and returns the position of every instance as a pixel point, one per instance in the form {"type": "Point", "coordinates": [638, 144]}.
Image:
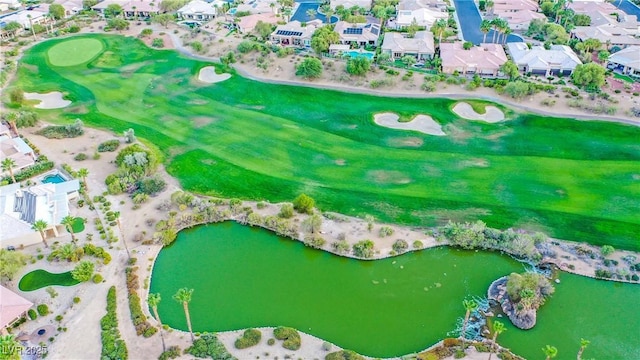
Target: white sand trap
{"type": "Point", "coordinates": [209, 76]}
{"type": "Point", "coordinates": [491, 115]}
{"type": "Point", "coordinates": [422, 123]}
{"type": "Point", "coordinates": [52, 100]}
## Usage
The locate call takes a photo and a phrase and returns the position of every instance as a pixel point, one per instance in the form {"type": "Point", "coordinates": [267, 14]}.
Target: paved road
{"type": "Point", "coordinates": [470, 19]}
{"type": "Point", "coordinates": [628, 7]}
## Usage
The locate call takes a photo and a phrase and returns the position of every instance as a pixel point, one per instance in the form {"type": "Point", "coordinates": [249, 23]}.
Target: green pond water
{"type": "Point", "coordinates": [248, 277]}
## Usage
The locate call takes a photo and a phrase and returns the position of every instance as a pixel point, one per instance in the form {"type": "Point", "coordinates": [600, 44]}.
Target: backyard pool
{"type": "Point", "coordinates": [360, 53]}
{"type": "Point", "coordinates": [55, 178]}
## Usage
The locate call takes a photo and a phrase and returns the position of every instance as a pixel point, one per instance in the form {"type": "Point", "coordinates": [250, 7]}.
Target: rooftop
{"type": "Point", "coordinates": [539, 57]}
{"type": "Point", "coordinates": [12, 306]}
{"type": "Point", "coordinates": [486, 56]}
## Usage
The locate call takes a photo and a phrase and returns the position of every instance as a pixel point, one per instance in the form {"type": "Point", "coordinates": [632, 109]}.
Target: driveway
{"type": "Point", "coordinates": [469, 21]}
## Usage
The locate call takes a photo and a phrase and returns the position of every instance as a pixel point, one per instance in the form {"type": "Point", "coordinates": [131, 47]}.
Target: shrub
{"type": "Point", "coordinates": [286, 211]}
{"type": "Point", "coordinates": [83, 271]}
{"type": "Point", "coordinates": [157, 43]}
{"type": "Point", "coordinates": [32, 314]}
{"type": "Point", "coordinates": [43, 309]}
{"type": "Point", "coordinates": [418, 244]}
{"type": "Point", "coordinates": [251, 337]}
{"type": "Point", "coordinates": [113, 347]}
{"type": "Point", "coordinates": [304, 204]}
{"type": "Point", "coordinates": [208, 345]}
{"type": "Point", "coordinates": [635, 277]}
{"type": "Point", "coordinates": [109, 146]}
{"type": "Point", "coordinates": [385, 231]}
{"type": "Point", "coordinates": [271, 342]}
{"type": "Point", "coordinates": [80, 157]}
{"type": "Point", "coordinates": [340, 246]}
{"type": "Point", "coordinates": [143, 327]}
{"type": "Point", "coordinates": [151, 185]}
{"type": "Point", "coordinates": [290, 336]}
{"type": "Point", "coordinates": [63, 131]}
{"type": "Point", "coordinates": [76, 300]}
{"type": "Point", "coordinates": [604, 274]}
{"type": "Point", "coordinates": [41, 165]}
{"type": "Point", "coordinates": [314, 241]}
{"type": "Point", "coordinates": [344, 355]}
{"type": "Point", "coordinates": [97, 279]}
{"type": "Point", "coordinates": [171, 353]}
{"type": "Point", "coordinates": [363, 249]}
{"type": "Point", "coordinates": [400, 246]}
{"type": "Point", "coordinates": [480, 347]}
{"type": "Point", "coordinates": [607, 250]}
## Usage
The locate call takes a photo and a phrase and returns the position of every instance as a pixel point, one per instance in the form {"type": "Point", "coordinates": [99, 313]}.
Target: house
{"type": "Point", "coordinates": [628, 59]}
{"type": "Point", "coordinates": [365, 34]}
{"type": "Point", "coordinates": [520, 20]}
{"type": "Point", "coordinates": [246, 24]}
{"type": "Point", "coordinates": [421, 46]}
{"type": "Point", "coordinates": [348, 4]}
{"type": "Point", "coordinates": [12, 308]}
{"type": "Point", "coordinates": [610, 34]}
{"type": "Point", "coordinates": [483, 60]}
{"type": "Point", "coordinates": [18, 150]}
{"type": "Point", "coordinates": [518, 13]}
{"type": "Point", "coordinates": [337, 50]}
{"type": "Point", "coordinates": [21, 208]}
{"type": "Point", "coordinates": [131, 9]}
{"type": "Point", "coordinates": [293, 34]}
{"type": "Point", "coordinates": [422, 4]}
{"type": "Point", "coordinates": [9, 5]}
{"type": "Point", "coordinates": [27, 17]}
{"type": "Point", "coordinates": [197, 10]}
{"type": "Point", "coordinates": [422, 12]}
{"type": "Point", "coordinates": [259, 7]}
{"type": "Point", "coordinates": [559, 59]}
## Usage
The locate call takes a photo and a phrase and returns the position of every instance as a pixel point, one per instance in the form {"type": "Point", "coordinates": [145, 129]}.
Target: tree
{"type": "Point", "coordinates": [263, 29]}
{"type": "Point", "coordinates": [413, 28]}
{"type": "Point", "coordinates": [498, 328]}
{"type": "Point", "coordinates": [309, 68]}
{"type": "Point", "coordinates": [467, 45]}
{"type": "Point", "coordinates": [154, 301]}
{"type": "Point", "coordinates": [311, 13]}
{"type": "Point", "coordinates": [88, 4]}
{"type": "Point", "coordinates": [83, 173]}
{"type": "Point", "coordinates": [510, 69]}
{"type": "Point", "coordinates": [304, 204]}
{"type": "Point", "coordinates": [118, 24]}
{"type": "Point", "coordinates": [607, 250]}
{"type": "Point", "coordinates": [603, 56]}
{"type": "Point", "coordinates": [56, 11]}
{"type": "Point", "coordinates": [589, 76]}
{"type": "Point", "coordinates": [358, 66]}
{"type": "Point", "coordinates": [583, 345]}
{"type": "Point", "coordinates": [7, 165]}
{"type": "Point", "coordinates": [172, 5]}
{"type": "Point", "coordinates": [11, 262]}
{"type": "Point", "coordinates": [12, 27]}
{"type": "Point", "coordinates": [312, 223]}
{"type": "Point", "coordinates": [470, 306]}
{"type": "Point", "coordinates": [518, 89]}
{"type": "Point", "coordinates": [112, 11]}
{"type": "Point", "coordinates": [438, 28]}
{"type": "Point", "coordinates": [146, 32]}
{"type": "Point", "coordinates": [10, 348]}
{"type": "Point", "coordinates": [556, 34]}
{"type": "Point", "coordinates": [183, 296]}
{"type": "Point", "coordinates": [322, 38]}
{"type": "Point", "coordinates": [40, 226]}
{"type": "Point", "coordinates": [408, 60]}
{"type": "Point", "coordinates": [16, 95]}
{"type": "Point", "coordinates": [581, 20]}
{"type": "Point", "coordinates": [485, 27]}
{"type": "Point", "coordinates": [68, 221]}
{"type": "Point", "coordinates": [163, 19]}
{"type": "Point", "coordinates": [83, 271]}
{"type": "Point", "coordinates": [550, 352]}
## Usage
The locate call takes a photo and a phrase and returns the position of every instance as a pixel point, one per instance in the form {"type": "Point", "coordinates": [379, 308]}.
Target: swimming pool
{"type": "Point", "coordinates": [53, 179]}
{"type": "Point", "coordinates": [360, 53]}
{"type": "Point", "coordinates": [232, 11]}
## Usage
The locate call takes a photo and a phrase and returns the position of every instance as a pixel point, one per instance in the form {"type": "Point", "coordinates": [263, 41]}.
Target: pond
{"type": "Point", "coordinates": [246, 277]}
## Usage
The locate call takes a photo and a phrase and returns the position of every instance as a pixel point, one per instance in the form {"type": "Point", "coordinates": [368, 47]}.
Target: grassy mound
{"type": "Point", "coordinates": [38, 279]}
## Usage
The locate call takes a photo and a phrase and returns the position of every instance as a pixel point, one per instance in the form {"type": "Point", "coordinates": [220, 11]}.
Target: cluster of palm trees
{"type": "Point", "coordinates": [500, 28]}
{"type": "Point", "coordinates": [182, 296]}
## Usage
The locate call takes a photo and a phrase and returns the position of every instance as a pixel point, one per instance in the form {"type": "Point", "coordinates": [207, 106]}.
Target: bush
{"type": "Point", "coordinates": [113, 347]}
{"type": "Point", "coordinates": [80, 157]}
{"type": "Point", "coordinates": [418, 244]}
{"type": "Point", "coordinates": [344, 355]}
{"type": "Point", "coordinates": [143, 327]}
{"type": "Point", "coordinates": [63, 131]}
{"type": "Point", "coordinates": [208, 345]}
{"type": "Point", "coordinates": [340, 246]}
{"type": "Point", "coordinates": [151, 185]}
{"type": "Point", "coordinates": [97, 279]}
{"type": "Point", "coordinates": [43, 309]}
{"type": "Point", "coordinates": [290, 336]}
{"type": "Point", "coordinates": [635, 277]}
{"type": "Point", "coordinates": [172, 352]}
{"type": "Point", "coordinates": [157, 43]}
{"type": "Point", "coordinates": [271, 342]}
{"type": "Point", "coordinates": [607, 250]}
{"type": "Point", "coordinates": [32, 314]}
{"type": "Point", "coordinates": [109, 146]}
{"type": "Point", "coordinates": [363, 249]}
{"type": "Point", "coordinates": [385, 231]}
{"type": "Point", "coordinates": [304, 204]}
{"type": "Point", "coordinates": [41, 166]}
{"type": "Point", "coordinates": [286, 211]}
{"type": "Point", "coordinates": [603, 274]}
{"type": "Point", "coordinates": [251, 337]}
{"type": "Point", "coordinates": [76, 300]}
{"type": "Point", "coordinates": [315, 242]}
{"type": "Point", "coordinates": [400, 246]}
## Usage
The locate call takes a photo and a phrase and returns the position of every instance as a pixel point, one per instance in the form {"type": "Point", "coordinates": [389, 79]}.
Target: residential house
{"type": "Point", "coordinates": [9, 5]}
{"type": "Point", "coordinates": [518, 13]}
{"type": "Point", "coordinates": [18, 150]}
{"type": "Point", "coordinates": [21, 208]}
{"type": "Point", "coordinates": [422, 4]}
{"type": "Point", "coordinates": [12, 308]}
{"type": "Point", "coordinates": [293, 34]}
{"type": "Point", "coordinates": [421, 46]}
{"type": "Point", "coordinates": [360, 35]}
{"type": "Point", "coordinates": [609, 34]}
{"type": "Point", "coordinates": [628, 59]}
{"type": "Point", "coordinates": [246, 24]}
{"type": "Point", "coordinates": [197, 10]}
{"type": "Point", "coordinates": [27, 17]}
{"type": "Point", "coordinates": [422, 12]}
{"type": "Point", "coordinates": [131, 9]}
{"type": "Point", "coordinates": [559, 59]}
{"type": "Point", "coordinates": [483, 60]}
{"type": "Point", "coordinates": [259, 7]}
{"type": "Point", "coordinates": [348, 4]}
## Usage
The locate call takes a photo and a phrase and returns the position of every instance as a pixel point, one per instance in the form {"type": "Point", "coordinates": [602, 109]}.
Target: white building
{"type": "Point", "coordinates": [559, 59]}
{"type": "Point", "coordinates": [197, 10]}
{"type": "Point", "coordinates": [421, 46]}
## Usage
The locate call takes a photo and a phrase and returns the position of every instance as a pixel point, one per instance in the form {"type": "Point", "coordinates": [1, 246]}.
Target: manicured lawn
{"type": "Point", "coordinates": [74, 52]}
{"type": "Point", "coordinates": [78, 225]}
{"type": "Point", "coordinates": [622, 77]}
{"type": "Point", "coordinates": [38, 279]}
{"type": "Point", "coordinates": [240, 138]}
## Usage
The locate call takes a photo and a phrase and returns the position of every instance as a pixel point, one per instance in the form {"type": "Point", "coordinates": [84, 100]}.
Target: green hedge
{"type": "Point", "coordinates": [290, 336]}
{"type": "Point", "coordinates": [251, 337]}
{"type": "Point", "coordinates": [41, 166]}
{"type": "Point", "coordinates": [43, 309]}
{"type": "Point", "coordinates": [143, 327]}
{"type": "Point", "coordinates": [113, 347]}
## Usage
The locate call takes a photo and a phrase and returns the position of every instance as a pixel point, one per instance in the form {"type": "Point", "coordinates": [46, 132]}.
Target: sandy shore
{"type": "Point", "coordinates": [465, 111]}
{"type": "Point", "coordinates": [52, 100]}
{"type": "Point", "coordinates": [421, 123]}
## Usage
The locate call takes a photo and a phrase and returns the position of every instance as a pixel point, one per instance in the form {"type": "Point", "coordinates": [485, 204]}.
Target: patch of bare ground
{"type": "Point", "coordinates": [405, 141]}
{"type": "Point", "coordinates": [202, 121]}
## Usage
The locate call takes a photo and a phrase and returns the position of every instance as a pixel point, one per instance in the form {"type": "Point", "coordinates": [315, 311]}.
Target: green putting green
{"type": "Point", "coordinates": [78, 225]}
{"type": "Point", "coordinates": [574, 180]}
{"type": "Point", "coordinates": [38, 279]}
{"type": "Point", "coordinates": [76, 51]}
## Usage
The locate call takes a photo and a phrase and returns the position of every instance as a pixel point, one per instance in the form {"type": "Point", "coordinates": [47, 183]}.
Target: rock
{"type": "Point", "coordinates": [557, 281]}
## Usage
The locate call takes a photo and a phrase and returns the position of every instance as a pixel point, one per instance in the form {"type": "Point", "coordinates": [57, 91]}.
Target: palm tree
{"type": "Point", "coordinates": [154, 301]}
{"type": "Point", "coordinates": [485, 27]}
{"type": "Point", "coordinates": [489, 5]}
{"type": "Point", "coordinates": [550, 352]}
{"type": "Point", "coordinates": [40, 226]}
{"type": "Point", "coordinates": [83, 173]}
{"type": "Point", "coordinates": [507, 31]}
{"type": "Point", "coordinates": [31, 26]}
{"type": "Point", "coordinates": [494, 24]}
{"type": "Point", "coordinates": [11, 118]}
{"type": "Point", "coordinates": [184, 296]}
{"type": "Point", "coordinates": [583, 345]}
{"type": "Point", "coordinates": [439, 28]}
{"type": "Point", "coordinates": [498, 328]}
{"type": "Point", "coordinates": [68, 221]}
{"type": "Point", "coordinates": [10, 347]}
{"type": "Point", "coordinates": [7, 165]}
{"type": "Point", "coordinates": [470, 306]}
{"type": "Point", "coordinates": [311, 13]}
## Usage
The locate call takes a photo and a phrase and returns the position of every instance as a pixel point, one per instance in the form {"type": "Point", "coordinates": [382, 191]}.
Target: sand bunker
{"type": "Point", "coordinates": [209, 76]}
{"type": "Point", "coordinates": [465, 111]}
{"type": "Point", "coordinates": [52, 100]}
{"type": "Point", "coordinates": [422, 123]}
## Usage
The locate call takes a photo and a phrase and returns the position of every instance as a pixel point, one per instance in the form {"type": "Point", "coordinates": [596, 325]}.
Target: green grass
{"type": "Point", "coordinates": [78, 225]}
{"type": "Point", "coordinates": [240, 138]}
{"type": "Point", "coordinates": [622, 77]}
{"type": "Point", "coordinates": [478, 106]}
{"type": "Point", "coordinates": [74, 52]}
{"type": "Point", "coordinates": [38, 279]}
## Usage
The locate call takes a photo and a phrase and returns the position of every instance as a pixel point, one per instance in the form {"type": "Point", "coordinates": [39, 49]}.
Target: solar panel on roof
{"type": "Point", "coordinates": [288, 33]}
{"type": "Point", "coordinates": [353, 31]}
